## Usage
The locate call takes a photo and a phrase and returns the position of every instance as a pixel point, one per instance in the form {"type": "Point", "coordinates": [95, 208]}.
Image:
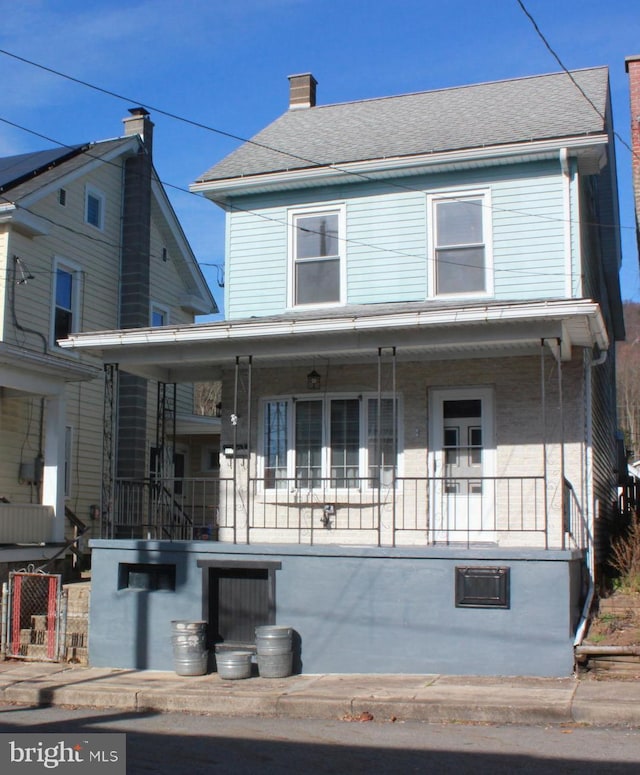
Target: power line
{"type": "Point", "coordinates": [239, 138]}
{"type": "Point", "coordinates": [347, 240]}
{"type": "Point", "coordinates": [573, 80]}
{"type": "Point", "coordinates": [215, 130]}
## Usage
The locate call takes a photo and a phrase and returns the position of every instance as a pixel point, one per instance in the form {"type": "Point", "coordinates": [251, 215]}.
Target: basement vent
{"type": "Point", "coordinates": [146, 577]}
{"type": "Point", "coordinates": [482, 587]}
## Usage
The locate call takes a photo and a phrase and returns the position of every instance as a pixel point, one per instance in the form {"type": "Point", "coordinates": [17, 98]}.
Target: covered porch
{"type": "Point", "coordinates": [34, 426]}
{"type": "Point", "coordinates": [422, 426]}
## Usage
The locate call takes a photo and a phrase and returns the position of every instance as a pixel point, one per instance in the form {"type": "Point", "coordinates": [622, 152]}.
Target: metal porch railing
{"type": "Point", "coordinates": [412, 510]}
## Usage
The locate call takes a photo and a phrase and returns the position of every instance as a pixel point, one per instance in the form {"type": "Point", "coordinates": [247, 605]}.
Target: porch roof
{"type": "Point", "coordinates": [41, 373]}
{"type": "Point", "coordinates": [419, 331]}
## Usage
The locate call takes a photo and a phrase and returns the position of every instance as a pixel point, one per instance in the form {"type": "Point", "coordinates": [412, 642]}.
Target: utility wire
{"type": "Point", "coordinates": [277, 150]}
{"type": "Point", "coordinates": [401, 253]}
{"type": "Point", "coordinates": [239, 138]}
{"type": "Point", "coordinates": [573, 80]}
{"type": "Point", "coordinates": [263, 216]}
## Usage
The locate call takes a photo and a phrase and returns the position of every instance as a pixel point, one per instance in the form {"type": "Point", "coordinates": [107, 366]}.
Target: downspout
{"type": "Point", "coordinates": [568, 236]}
{"type": "Point", "coordinates": [586, 608]}
{"type": "Point", "coordinates": [543, 399]}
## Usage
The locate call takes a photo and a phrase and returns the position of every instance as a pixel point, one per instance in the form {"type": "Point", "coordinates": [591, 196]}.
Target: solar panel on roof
{"type": "Point", "coordinates": [14, 169]}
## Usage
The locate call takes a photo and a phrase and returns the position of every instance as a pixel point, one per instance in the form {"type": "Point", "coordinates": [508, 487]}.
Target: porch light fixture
{"type": "Point", "coordinates": [313, 380]}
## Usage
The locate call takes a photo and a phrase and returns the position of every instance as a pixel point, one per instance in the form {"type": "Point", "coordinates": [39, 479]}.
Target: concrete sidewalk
{"type": "Point", "coordinates": [434, 698]}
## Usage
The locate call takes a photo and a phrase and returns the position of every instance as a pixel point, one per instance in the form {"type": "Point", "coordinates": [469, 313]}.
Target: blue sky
{"type": "Point", "coordinates": [225, 64]}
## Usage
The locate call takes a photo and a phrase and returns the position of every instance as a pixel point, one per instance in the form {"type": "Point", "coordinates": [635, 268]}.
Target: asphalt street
{"type": "Point", "coordinates": [177, 743]}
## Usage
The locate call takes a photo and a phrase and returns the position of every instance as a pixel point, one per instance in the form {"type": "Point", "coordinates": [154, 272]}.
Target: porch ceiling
{"type": "Point", "coordinates": [417, 331]}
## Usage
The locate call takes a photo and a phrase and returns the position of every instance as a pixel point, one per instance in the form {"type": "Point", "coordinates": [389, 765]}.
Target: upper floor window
{"type": "Point", "coordinates": [94, 208]}
{"type": "Point", "coordinates": [66, 299]}
{"type": "Point", "coordinates": [344, 442]}
{"type": "Point", "coordinates": [316, 256]}
{"type": "Point", "coordinates": [159, 315]}
{"type": "Point", "coordinates": [461, 260]}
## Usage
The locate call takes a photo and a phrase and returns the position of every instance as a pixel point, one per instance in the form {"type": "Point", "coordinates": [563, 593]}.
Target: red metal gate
{"type": "Point", "coordinates": [34, 613]}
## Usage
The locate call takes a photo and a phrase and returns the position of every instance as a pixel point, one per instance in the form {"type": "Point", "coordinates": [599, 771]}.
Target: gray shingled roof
{"type": "Point", "coordinates": [486, 114]}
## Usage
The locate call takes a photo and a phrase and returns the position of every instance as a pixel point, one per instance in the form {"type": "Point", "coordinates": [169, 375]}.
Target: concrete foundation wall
{"type": "Point", "coordinates": [354, 610]}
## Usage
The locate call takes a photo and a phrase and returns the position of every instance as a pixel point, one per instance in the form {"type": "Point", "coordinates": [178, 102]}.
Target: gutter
{"type": "Point", "coordinates": [372, 168]}
{"type": "Point", "coordinates": [259, 328]}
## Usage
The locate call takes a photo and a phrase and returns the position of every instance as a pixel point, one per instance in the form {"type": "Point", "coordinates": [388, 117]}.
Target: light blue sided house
{"type": "Point", "coordinates": [418, 450]}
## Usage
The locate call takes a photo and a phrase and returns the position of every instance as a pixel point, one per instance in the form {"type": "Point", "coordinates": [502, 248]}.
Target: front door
{"type": "Point", "coordinates": [461, 458]}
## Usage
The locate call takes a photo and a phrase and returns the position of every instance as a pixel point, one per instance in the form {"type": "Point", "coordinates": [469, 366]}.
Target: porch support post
{"type": "Point", "coordinates": [165, 454]}
{"type": "Point", "coordinates": [555, 345]}
{"type": "Point", "coordinates": [562, 467]}
{"type": "Point", "coordinates": [391, 539]}
{"type": "Point", "coordinates": [109, 451]}
{"type": "Point", "coordinates": [53, 470]}
{"type": "Point", "coordinates": [234, 425]}
{"type": "Point", "coordinates": [245, 440]}
{"type": "Point", "coordinates": [249, 501]}
{"type": "Point", "coordinates": [543, 397]}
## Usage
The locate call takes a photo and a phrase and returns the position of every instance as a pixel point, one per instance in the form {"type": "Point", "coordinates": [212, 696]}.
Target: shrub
{"type": "Point", "coordinates": [625, 557]}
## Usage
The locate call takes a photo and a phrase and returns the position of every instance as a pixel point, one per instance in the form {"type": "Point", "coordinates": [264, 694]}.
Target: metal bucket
{"type": "Point", "coordinates": [189, 640]}
{"type": "Point", "coordinates": [233, 664]}
{"type": "Point", "coordinates": [275, 665]}
{"type": "Point", "coordinates": [273, 640]}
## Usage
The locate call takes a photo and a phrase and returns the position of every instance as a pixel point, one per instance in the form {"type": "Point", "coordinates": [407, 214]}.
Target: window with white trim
{"type": "Point", "coordinates": [94, 208]}
{"type": "Point", "coordinates": [316, 246]}
{"type": "Point", "coordinates": [67, 284]}
{"type": "Point", "coordinates": [460, 236]}
{"type": "Point", "coordinates": [334, 440]}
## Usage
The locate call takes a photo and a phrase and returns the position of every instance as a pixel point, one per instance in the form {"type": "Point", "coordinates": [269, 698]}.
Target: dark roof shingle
{"type": "Point", "coordinates": [486, 114]}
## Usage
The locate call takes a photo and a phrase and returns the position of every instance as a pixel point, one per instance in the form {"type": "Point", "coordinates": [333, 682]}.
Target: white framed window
{"type": "Point", "coordinates": [65, 307]}
{"type": "Point", "coordinates": [159, 315]}
{"type": "Point", "coordinates": [316, 250]}
{"type": "Point", "coordinates": [94, 207]}
{"type": "Point", "coordinates": [460, 244]}
{"type": "Point", "coordinates": [334, 440]}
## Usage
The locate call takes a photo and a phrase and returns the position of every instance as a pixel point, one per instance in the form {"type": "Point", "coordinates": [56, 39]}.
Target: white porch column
{"type": "Point", "coordinates": [54, 461]}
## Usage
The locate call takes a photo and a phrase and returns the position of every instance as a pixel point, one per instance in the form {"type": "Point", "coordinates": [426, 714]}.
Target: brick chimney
{"type": "Point", "coordinates": [302, 91]}
{"type": "Point", "coordinates": [135, 291]}
{"type": "Point", "coordinates": [139, 123]}
{"type": "Point", "coordinates": [632, 66]}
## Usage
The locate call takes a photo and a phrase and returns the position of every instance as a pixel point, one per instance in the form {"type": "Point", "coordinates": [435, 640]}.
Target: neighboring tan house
{"type": "Point", "coordinates": [418, 444]}
{"type": "Point", "coordinates": [88, 240]}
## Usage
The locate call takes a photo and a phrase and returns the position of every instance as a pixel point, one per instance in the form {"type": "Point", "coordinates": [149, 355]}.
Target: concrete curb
{"type": "Point", "coordinates": [524, 701]}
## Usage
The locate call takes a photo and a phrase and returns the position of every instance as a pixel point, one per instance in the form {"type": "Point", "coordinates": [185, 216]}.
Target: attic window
{"type": "Point", "coordinates": [62, 197]}
{"type": "Point", "coordinates": [164, 254]}
{"type": "Point", "coordinates": [94, 208]}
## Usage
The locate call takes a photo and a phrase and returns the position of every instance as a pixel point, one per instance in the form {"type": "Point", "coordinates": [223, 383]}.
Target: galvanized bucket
{"type": "Point", "coordinates": [275, 665]}
{"type": "Point", "coordinates": [232, 665]}
{"type": "Point", "coordinates": [190, 654]}
{"type": "Point", "coordinates": [274, 649]}
{"type": "Point", "coordinates": [273, 640]}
